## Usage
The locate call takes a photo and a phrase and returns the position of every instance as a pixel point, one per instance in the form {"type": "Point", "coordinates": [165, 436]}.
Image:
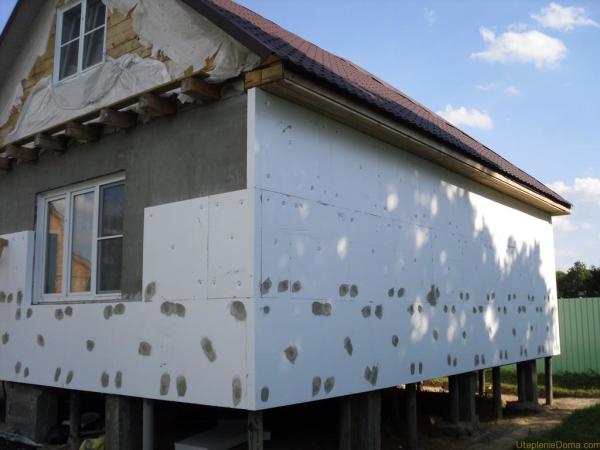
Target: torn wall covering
{"type": "Point", "coordinates": [178, 40]}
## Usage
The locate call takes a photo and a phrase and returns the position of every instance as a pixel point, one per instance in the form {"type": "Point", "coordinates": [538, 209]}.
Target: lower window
{"type": "Point", "coordinates": [79, 253]}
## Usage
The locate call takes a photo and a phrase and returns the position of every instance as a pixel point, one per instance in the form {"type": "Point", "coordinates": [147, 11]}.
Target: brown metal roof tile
{"type": "Point", "coordinates": [265, 37]}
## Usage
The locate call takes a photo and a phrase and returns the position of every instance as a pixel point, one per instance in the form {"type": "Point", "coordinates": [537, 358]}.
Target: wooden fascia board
{"type": "Point", "coordinates": [300, 90]}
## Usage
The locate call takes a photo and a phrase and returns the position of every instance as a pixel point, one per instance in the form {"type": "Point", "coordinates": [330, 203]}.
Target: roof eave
{"type": "Point", "coordinates": [314, 95]}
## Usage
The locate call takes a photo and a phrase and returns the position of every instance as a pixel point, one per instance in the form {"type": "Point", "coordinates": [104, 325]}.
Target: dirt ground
{"type": "Point", "coordinates": [321, 434]}
{"type": "Point", "coordinates": [503, 434]}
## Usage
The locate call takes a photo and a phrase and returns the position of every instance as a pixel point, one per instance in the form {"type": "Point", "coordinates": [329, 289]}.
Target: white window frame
{"type": "Point", "coordinates": [67, 193]}
{"type": "Point", "coordinates": [82, 33]}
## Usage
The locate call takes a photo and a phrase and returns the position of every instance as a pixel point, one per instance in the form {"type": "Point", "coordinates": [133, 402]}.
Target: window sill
{"type": "Point", "coordinates": [79, 300]}
{"type": "Point", "coordinates": [57, 83]}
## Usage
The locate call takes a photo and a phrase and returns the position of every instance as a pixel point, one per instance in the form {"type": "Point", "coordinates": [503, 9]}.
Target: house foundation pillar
{"type": "Point", "coordinates": [123, 418]}
{"type": "Point", "coordinates": [412, 432]}
{"type": "Point", "coordinates": [148, 424]}
{"type": "Point", "coordinates": [256, 436]}
{"type": "Point", "coordinates": [521, 381]}
{"type": "Point", "coordinates": [360, 422]}
{"type": "Point", "coordinates": [74, 420]}
{"type": "Point", "coordinates": [548, 380]}
{"type": "Point", "coordinates": [454, 399]}
{"type": "Point", "coordinates": [481, 382]}
{"type": "Point", "coordinates": [497, 392]}
{"type": "Point", "coordinates": [31, 410]}
{"type": "Point", "coordinates": [467, 398]}
{"type": "Point", "coordinates": [531, 388]}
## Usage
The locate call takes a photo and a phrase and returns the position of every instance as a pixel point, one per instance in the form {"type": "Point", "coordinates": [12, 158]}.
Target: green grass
{"type": "Point", "coordinates": [565, 385]}
{"type": "Point", "coordinates": [580, 427]}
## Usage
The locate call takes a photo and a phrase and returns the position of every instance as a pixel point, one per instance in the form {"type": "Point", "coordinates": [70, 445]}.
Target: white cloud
{"type": "Point", "coordinates": [469, 117]}
{"type": "Point", "coordinates": [526, 47]}
{"type": "Point", "coordinates": [430, 16]}
{"type": "Point", "coordinates": [563, 18]}
{"type": "Point", "coordinates": [577, 236]}
{"type": "Point", "coordinates": [488, 87]}
{"type": "Point", "coordinates": [519, 26]}
{"type": "Point", "coordinates": [582, 191]}
{"type": "Point", "coordinates": [566, 224]}
{"type": "Point", "coordinates": [512, 90]}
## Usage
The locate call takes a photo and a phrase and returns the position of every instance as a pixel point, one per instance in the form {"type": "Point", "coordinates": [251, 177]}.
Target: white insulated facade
{"type": "Point", "coordinates": [347, 265]}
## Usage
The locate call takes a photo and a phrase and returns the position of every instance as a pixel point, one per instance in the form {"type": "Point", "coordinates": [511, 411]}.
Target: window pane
{"type": "Point", "coordinates": [110, 259]}
{"type": "Point", "coordinates": [93, 48]}
{"type": "Point", "coordinates": [81, 242]}
{"type": "Point", "coordinates": [95, 14]}
{"type": "Point", "coordinates": [112, 207]}
{"type": "Point", "coordinates": [71, 24]}
{"type": "Point", "coordinates": [55, 233]}
{"type": "Point", "coordinates": [69, 55]}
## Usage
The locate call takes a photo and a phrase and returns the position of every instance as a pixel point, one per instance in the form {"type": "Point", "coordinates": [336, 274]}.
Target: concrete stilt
{"type": "Point", "coordinates": [481, 382]}
{"type": "Point", "coordinates": [467, 397]}
{"type": "Point", "coordinates": [32, 410]}
{"type": "Point", "coordinates": [255, 430]}
{"type": "Point", "coordinates": [371, 421]}
{"type": "Point", "coordinates": [531, 392]}
{"type": "Point", "coordinates": [527, 389]}
{"type": "Point", "coordinates": [360, 422]}
{"type": "Point", "coordinates": [148, 425]}
{"type": "Point", "coordinates": [75, 420]}
{"type": "Point", "coordinates": [123, 419]}
{"type": "Point", "coordinates": [521, 382]}
{"type": "Point", "coordinates": [454, 399]}
{"type": "Point", "coordinates": [412, 439]}
{"type": "Point", "coordinates": [497, 392]}
{"type": "Point", "coordinates": [533, 382]}
{"type": "Point", "coordinates": [548, 380]}
{"type": "Point", "coordinates": [527, 384]}
{"type": "Point", "coordinates": [397, 414]}
{"type": "Point", "coordinates": [345, 423]}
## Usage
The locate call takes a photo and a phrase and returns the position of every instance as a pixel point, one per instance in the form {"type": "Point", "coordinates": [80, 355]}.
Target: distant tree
{"type": "Point", "coordinates": [560, 281]}
{"type": "Point", "coordinates": [578, 281]}
{"type": "Point", "coordinates": [594, 283]}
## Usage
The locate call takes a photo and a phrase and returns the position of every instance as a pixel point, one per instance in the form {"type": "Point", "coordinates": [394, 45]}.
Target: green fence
{"type": "Point", "coordinates": [579, 320]}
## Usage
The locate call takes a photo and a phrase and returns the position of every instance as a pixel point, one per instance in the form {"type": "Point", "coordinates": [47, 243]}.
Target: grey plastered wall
{"type": "Point", "coordinates": [194, 153]}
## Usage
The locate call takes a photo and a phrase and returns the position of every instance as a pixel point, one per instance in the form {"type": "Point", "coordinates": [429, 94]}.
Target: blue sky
{"type": "Point", "coordinates": [520, 76]}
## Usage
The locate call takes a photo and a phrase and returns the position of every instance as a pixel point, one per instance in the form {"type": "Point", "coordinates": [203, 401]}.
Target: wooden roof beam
{"type": "Point", "coordinates": [3, 245]}
{"type": "Point", "coordinates": [83, 133]}
{"type": "Point", "coordinates": [157, 105]}
{"type": "Point", "coordinates": [5, 163]}
{"type": "Point", "coordinates": [21, 153]}
{"type": "Point", "coordinates": [200, 90]}
{"type": "Point", "coordinates": [118, 119]}
{"type": "Point", "coordinates": [48, 142]}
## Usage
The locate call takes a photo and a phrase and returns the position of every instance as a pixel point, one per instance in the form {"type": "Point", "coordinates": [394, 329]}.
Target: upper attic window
{"type": "Point", "coordinates": [80, 37]}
